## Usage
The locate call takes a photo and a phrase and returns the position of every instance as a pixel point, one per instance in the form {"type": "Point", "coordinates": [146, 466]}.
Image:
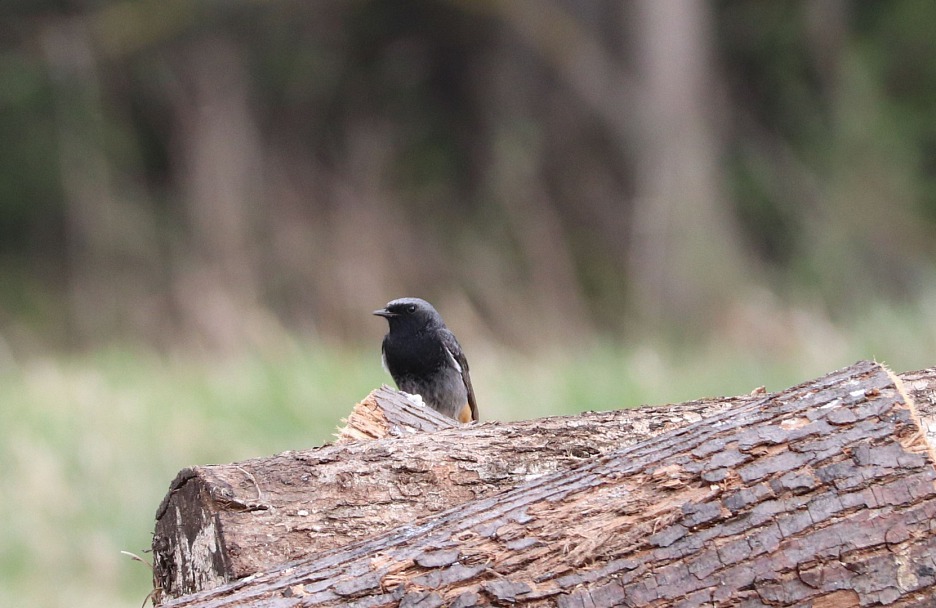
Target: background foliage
{"type": "Point", "coordinates": [220, 174]}
{"type": "Point", "coordinates": [611, 203]}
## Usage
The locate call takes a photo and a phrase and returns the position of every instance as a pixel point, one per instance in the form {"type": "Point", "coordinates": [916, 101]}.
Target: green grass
{"type": "Point", "coordinates": [89, 445]}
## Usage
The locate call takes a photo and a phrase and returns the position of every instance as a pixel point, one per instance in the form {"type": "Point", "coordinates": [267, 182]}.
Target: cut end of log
{"type": "Point", "coordinates": [187, 535]}
{"type": "Point", "coordinates": [387, 412]}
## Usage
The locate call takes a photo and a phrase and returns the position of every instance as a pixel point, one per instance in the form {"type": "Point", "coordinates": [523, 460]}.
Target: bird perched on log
{"type": "Point", "coordinates": [425, 359]}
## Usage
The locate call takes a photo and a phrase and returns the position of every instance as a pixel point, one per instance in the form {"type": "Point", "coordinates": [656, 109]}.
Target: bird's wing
{"type": "Point", "coordinates": [454, 349]}
{"type": "Point", "coordinates": [383, 357]}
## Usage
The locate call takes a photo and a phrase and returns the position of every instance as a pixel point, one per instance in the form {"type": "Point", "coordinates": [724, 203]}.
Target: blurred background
{"type": "Point", "coordinates": [611, 203]}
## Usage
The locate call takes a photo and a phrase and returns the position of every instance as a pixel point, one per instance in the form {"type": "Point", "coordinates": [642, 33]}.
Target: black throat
{"type": "Point", "coordinates": [414, 353]}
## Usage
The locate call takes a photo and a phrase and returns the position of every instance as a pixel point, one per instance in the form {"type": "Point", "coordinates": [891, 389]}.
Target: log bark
{"type": "Point", "coordinates": [821, 493]}
{"type": "Point", "coordinates": [224, 522]}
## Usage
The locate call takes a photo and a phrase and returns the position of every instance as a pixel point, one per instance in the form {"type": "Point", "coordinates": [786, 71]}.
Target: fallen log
{"type": "Point", "coordinates": [224, 522]}
{"type": "Point", "coordinates": [820, 493]}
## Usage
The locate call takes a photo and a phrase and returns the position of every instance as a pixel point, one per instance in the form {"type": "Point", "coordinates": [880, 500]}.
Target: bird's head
{"type": "Point", "coordinates": [410, 313]}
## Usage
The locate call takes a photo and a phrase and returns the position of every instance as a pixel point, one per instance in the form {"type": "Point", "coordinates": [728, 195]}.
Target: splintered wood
{"type": "Point", "coordinates": [819, 495]}
{"type": "Point", "coordinates": [387, 412]}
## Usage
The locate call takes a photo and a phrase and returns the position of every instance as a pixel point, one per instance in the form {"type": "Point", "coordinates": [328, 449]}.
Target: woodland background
{"type": "Point", "coordinates": [610, 202]}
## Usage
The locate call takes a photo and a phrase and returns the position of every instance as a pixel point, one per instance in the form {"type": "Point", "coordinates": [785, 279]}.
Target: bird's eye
{"type": "Point", "coordinates": [411, 308]}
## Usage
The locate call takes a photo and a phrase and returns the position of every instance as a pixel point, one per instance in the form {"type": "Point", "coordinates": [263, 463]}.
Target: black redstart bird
{"type": "Point", "coordinates": [425, 359]}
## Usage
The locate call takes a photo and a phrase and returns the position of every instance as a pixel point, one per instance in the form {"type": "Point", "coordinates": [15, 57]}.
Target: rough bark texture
{"type": "Point", "coordinates": [224, 522]}
{"type": "Point", "coordinates": [820, 495]}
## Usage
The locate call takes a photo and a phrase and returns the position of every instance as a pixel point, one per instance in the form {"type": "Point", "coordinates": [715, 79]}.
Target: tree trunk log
{"type": "Point", "coordinates": [821, 493]}
{"type": "Point", "coordinates": [220, 523]}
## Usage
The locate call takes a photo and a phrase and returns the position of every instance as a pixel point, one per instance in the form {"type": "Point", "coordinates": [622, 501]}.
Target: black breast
{"type": "Point", "coordinates": [415, 355]}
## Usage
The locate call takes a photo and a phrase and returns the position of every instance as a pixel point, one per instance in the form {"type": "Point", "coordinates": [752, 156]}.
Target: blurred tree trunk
{"type": "Point", "coordinates": [865, 233]}
{"type": "Point", "coordinates": [217, 287]}
{"type": "Point", "coordinates": [685, 259]}
{"type": "Point", "coordinates": [547, 286]}
{"type": "Point", "coordinates": [541, 285]}
{"type": "Point", "coordinates": [110, 246]}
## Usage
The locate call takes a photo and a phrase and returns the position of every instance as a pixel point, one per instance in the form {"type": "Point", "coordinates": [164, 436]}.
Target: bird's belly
{"type": "Point", "coordinates": [443, 390]}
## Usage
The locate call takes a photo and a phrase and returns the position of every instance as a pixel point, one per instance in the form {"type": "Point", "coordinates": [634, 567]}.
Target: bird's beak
{"type": "Point", "coordinates": [383, 312]}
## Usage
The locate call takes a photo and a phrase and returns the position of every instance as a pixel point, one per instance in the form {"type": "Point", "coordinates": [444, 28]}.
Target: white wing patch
{"type": "Point", "coordinates": [452, 360]}
{"type": "Point", "coordinates": [383, 361]}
